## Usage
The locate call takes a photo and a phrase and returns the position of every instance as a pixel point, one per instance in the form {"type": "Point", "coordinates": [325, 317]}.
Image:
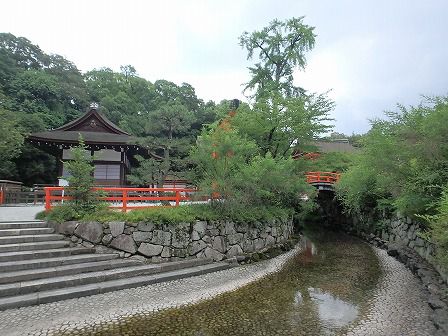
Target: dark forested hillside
{"type": "Point", "coordinates": [40, 91]}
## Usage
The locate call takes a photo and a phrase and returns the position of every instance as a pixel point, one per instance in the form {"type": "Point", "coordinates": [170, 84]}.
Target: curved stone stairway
{"type": "Point", "coordinates": [38, 266]}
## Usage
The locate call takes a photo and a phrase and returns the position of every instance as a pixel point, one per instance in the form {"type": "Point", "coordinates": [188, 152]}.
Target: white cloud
{"type": "Point", "coordinates": [370, 54]}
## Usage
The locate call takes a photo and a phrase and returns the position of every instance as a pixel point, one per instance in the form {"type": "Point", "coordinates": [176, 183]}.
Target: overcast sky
{"type": "Point", "coordinates": [371, 54]}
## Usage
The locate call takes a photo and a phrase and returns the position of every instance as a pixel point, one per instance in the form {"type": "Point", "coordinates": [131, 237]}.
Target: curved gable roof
{"type": "Point", "coordinates": [92, 121]}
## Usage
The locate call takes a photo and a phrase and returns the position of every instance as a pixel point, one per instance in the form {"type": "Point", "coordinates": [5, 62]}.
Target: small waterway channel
{"type": "Point", "coordinates": [320, 291]}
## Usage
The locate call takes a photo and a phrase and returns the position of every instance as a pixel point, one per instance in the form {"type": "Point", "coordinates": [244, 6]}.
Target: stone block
{"type": "Point", "coordinates": [213, 232]}
{"type": "Point", "coordinates": [248, 246]}
{"type": "Point", "coordinates": [67, 228]}
{"type": "Point", "coordinates": [235, 250]}
{"type": "Point", "coordinates": [195, 235]}
{"type": "Point", "coordinates": [235, 238]}
{"type": "Point", "coordinates": [197, 246]}
{"type": "Point", "coordinates": [180, 238]}
{"type": "Point", "coordinates": [166, 252]}
{"type": "Point", "coordinates": [90, 231]}
{"type": "Point", "coordinates": [106, 239]}
{"type": "Point", "coordinates": [259, 244]}
{"type": "Point", "coordinates": [200, 227]}
{"type": "Point", "coordinates": [252, 233]}
{"type": "Point", "coordinates": [207, 239]}
{"type": "Point", "coordinates": [213, 254]}
{"type": "Point", "coordinates": [160, 237]}
{"type": "Point", "coordinates": [145, 227]}
{"type": "Point", "coordinates": [129, 230]}
{"type": "Point", "coordinates": [219, 244]}
{"type": "Point", "coordinates": [125, 243]}
{"type": "Point", "coordinates": [270, 241]}
{"type": "Point", "coordinates": [142, 236]}
{"type": "Point", "coordinates": [229, 228]}
{"type": "Point", "coordinates": [116, 228]}
{"type": "Point", "coordinates": [150, 250]}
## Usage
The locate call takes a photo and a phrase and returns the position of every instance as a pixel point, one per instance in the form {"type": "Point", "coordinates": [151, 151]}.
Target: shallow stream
{"type": "Point", "coordinates": [321, 291]}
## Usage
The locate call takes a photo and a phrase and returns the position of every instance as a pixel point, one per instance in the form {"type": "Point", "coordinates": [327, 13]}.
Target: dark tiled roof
{"type": "Point", "coordinates": [89, 137]}
{"type": "Point", "coordinates": [92, 113]}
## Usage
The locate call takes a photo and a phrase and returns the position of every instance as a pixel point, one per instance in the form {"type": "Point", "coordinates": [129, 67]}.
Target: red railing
{"type": "Point", "coordinates": [322, 177]}
{"type": "Point", "coordinates": [125, 198]}
{"type": "Point", "coordinates": [2, 195]}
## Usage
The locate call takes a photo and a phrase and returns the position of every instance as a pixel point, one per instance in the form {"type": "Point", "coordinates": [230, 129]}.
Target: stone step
{"type": "Point", "coordinates": [33, 246]}
{"type": "Point", "coordinates": [32, 264]}
{"type": "Point", "coordinates": [44, 253]}
{"type": "Point", "coordinates": [50, 272]}
{"type": "Point", "coordinates": [22, 225]}
{"type": "Point", "coordinates": [25, 231]}
{"type": "Point", "coordinates": [26, 287]}
{"type": "Point", "coordinates": [53, 295]}
{"type": "Point", "coordinates": [30, 238]}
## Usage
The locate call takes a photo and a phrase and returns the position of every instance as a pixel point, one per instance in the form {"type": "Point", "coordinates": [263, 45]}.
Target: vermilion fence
{"type": "Point", "coordinates": [125, 198]}
{"type": "Point", "coordinates": [136, 198]}
{"type": "Point", "coordinates": [322, 177]}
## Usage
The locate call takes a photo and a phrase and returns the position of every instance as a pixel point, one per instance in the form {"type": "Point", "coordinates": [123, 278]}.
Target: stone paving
{"type": "Point", "coordinates": [398, 307]}
{"type": "Point", "coordinates": [19, 213]}
{"type": "Point", "coordinates": [75, 313]}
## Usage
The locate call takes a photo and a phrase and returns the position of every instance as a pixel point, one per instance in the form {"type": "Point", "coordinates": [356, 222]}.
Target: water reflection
{"type": "Point", "coordinates": [333, 312]}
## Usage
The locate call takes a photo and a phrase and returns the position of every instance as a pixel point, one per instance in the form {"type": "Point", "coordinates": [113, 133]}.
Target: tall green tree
{"type": "Point", "coordinates": [280, 49]}
{"type": "Point", "coordinates": [282, 115]}
{"type": "Point", "coordinates": [11, 140]}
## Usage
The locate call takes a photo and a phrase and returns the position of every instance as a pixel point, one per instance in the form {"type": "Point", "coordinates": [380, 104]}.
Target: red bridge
{"type": "Point", "coordinates": [322, 180]}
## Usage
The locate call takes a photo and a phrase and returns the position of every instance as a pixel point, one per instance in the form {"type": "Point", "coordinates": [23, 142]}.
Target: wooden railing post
{"type": "Point", "coordinates": [47, 199]}
{"type": "Point", "coordinates": [1, 195]}
{"type": "Point", "coordinates": [125, 200]}
{"type": "Point", "coordinates": [177, 197]}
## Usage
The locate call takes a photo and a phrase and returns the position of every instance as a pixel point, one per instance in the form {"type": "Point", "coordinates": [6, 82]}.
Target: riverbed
{"type": "Point", "coordinates": [322, 290]}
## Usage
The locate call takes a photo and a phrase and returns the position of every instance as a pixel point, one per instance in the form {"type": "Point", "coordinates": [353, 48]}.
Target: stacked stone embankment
{"type": "Point", "coordinates": [216, 240]}
{"type": "Point", "coordinates": [402, 237]}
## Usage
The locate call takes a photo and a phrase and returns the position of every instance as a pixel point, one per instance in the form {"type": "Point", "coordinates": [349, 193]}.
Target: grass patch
{"type": "Point", "coordinates": [172, 215]}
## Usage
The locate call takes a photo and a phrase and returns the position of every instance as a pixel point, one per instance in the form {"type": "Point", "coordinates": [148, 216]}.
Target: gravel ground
{"type": "Point", "coordinates": [19, 213]}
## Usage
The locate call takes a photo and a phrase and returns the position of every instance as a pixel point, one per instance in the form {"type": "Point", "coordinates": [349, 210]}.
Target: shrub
{"type": "Point", "coordinates": [438, 229]}
{"type": "Point", "coordinates": [190, 213]}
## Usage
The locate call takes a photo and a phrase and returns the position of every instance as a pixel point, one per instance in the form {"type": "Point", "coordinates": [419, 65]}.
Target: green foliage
{"type": "Point", "coordinates": [283, 115]}
{"type": "Point", "coordinates": [438, 229]}
{"type": "Point", "coordinates": [11, 140]}
{"type": "Point", "coordinates": [403, 164]}
{"type": "Point", "coordinates": [46, 91]}
{"type": "Point", "coordinates": [231, 166]}
{"type": "Point", "coordinates": [81, 181]}
{"type": "Point", "coordinates": [191, 213]}
{"type": "Point", "coordinates": [279, 124]}
{"type": "Point", "coordinates": [281, 48]}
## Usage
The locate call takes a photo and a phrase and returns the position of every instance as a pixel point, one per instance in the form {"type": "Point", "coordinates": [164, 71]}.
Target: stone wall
{"type": "Point", "coordinates": [217, 240]}
{"type": "Point", "coordinates": [407, 232]}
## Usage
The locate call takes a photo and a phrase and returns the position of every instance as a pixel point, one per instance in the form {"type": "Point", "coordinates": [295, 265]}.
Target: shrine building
{"type": "Point", "coordinates": [110, 146]}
